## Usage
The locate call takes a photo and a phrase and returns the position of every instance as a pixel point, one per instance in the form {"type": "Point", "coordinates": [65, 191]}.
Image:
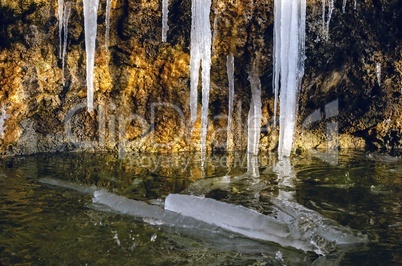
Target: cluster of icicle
{"type": "Point", "coordinates": [200, 56]}
{"type": "Point", "coordinates": [289, 38]}
{"type": "Point", "coordinates": [289, 46]}
{"type": "Point", "coordinates": [90, 29]}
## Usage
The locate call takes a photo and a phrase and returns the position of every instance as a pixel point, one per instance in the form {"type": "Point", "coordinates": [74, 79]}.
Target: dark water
{"type": "Point", "coordinates": [42, 224]}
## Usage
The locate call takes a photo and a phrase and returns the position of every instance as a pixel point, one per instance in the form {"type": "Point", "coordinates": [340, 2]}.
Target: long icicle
{"type": "Point", "coordinates": [200, 54]}
{"type": "Point", "coordinates": [165, 18]}
{"type": "Point", "coordinates": [107, 32]}
{"type": "Point", "coordinates": [90, 23]}
{"type": "Point", "coordinates": [66, 17]}
{"type": "Point", "coordinates": [254, 122]}
{"type": "Point", "coordinates": [60, 15]}
{"type": "Point", "coordinates": [230, 73]}
{"type": "Point", "coordinates": [288, 66]}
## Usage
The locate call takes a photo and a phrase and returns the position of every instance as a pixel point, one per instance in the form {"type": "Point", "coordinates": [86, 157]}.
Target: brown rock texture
{"type": "Point", "coordinates": [142, 84]}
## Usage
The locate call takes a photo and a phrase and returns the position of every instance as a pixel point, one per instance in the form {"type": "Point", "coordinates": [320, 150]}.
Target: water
{"type": "Point", "coordinates": [49, 224]}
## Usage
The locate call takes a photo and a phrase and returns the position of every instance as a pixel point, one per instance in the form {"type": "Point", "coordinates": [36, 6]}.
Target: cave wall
{"type": "Point", "coordinates": [142, 84]}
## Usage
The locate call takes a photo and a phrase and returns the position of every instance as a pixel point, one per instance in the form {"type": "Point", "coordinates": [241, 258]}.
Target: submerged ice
{"type": "Point", "coordinates": [290, 224]}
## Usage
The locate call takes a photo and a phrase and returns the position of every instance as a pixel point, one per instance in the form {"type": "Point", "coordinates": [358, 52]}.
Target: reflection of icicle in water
{"type": "Point", "coordinates": [90, 23]}
{"type": "Point", "coordinates": [200, 53]}
{"type": "Point", "coordinates": [165, 18]}
{"type": "Point", "coordinates": [378, 72]}
{"type": "Point", "coordinates": [230, 72]}
{"type": "Point", "coordinates": [108, 11]}
{"type": "Point", "coordinates": [60, 14]}
{"type": "Point", "coordinates": [289, 43]}
{"type": "Point", "coordinates": [66, 17]}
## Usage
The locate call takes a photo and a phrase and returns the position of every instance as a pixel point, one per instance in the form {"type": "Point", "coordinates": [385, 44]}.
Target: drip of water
{"type": "Point", "coordinates": [90, 23]}
{"type": "Point", "coordinates": [230, 72]}
{"type": "Point", "coordinates": [108, 11]}
{"type": "Point", "coordinates": [200, 54]}
{"type": "Point", "coordinates": [60, 14]}
{"type": "Point", "coordinates": [165, 16]}
{"type": "Point", "coordinates": [66, 17]}
{"type": "Point", "coordinates": [289, 45]}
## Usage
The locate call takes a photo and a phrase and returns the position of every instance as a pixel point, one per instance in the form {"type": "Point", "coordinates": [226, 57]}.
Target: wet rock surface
{"type": "Point", "coordinates": [142, 84]}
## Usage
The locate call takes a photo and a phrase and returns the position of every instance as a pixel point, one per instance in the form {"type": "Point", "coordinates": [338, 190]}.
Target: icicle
{"type": "Point", "coordinates": [254, 124]}
{"type": "Point", "coordinates": [276, 54]}
{"type": "Point", "coordinates": [378, 72]}
{"type": "Point", "coordinates": [90, 22]}
{"type": "Point", "coordinates": [289, 34]}
{"type": "Point", "coordinates": [254, 115]}
{"type": "Point", "coordinates": [3, 117]}
{"type": "Point", "coordinates": [108, 11]}
{"type": "Point", "coordinates": [230, 72]}
{"type": "Point", "coordinates": [355, 5]}
{"type": "Point", "coordinates": [344, 6]}
{"type": "Point", "coordinates": [330, 10]}
{"type": "Point", "coordinates": [200, 53]}
{"type": "Point", "coordinates": [325, 22]}
{"type": "Point", "coordinates": [66, 17]}
{"type": "Point", "coordinates": [60, 14]}
{"type": "Point", "coordinates": [165, 15]}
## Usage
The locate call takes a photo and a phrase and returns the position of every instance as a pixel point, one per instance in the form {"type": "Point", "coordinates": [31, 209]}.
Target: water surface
{"type": "Point", "coordinates": [42, 224]}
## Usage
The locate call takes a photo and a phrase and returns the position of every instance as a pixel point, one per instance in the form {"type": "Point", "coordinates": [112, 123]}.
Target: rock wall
{"type": "Point", "coordinates": [142, 84]}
